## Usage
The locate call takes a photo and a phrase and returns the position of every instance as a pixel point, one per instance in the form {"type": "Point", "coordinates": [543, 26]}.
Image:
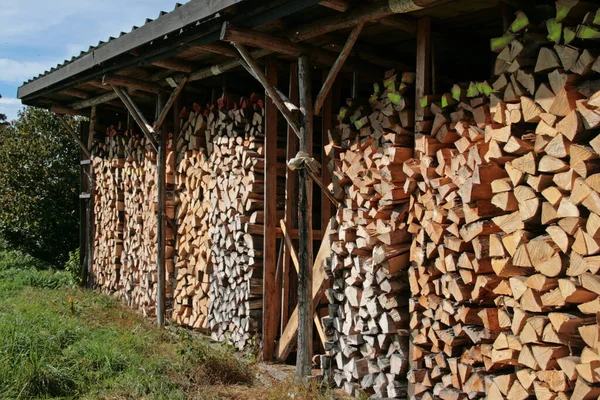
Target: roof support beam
{"type": "Point", "coordinates": [368, 13]}
{"type": "Point", "coordinates": [286, 110]}
{"type": "Point", "coordinates": [226, 66]}
{"type": "Point", "coordinates": [71, 132]}
{"type": "Point", "coordinates": [174, 65]}
{"type": "Point", "coordinates": [94, 101]}
{"type": "Point", "coordinates": [337, 66]}
{"type": "Point", "coordinates": [284, 46]}
{"type": "Point", "coordinates": [337, 5]}
{"type": "Point", "coordinates": [137, 115]}
{"type": "Point", "coordinates": [60, 109]}
{"type": "Point", "coordinates": [219, 48]}
{"type": "Point", "coordinates": [167, 107]}
{"type": "Point", "coordinates": [131, 83]}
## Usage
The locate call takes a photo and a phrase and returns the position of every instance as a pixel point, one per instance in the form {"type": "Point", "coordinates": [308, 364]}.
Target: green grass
{"type": "Point", "coordinates": [58, 341]}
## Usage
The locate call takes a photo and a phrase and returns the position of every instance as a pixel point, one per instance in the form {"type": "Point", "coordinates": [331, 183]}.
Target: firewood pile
{"type": "Point", "coordinates": [193, 267]}
{"type": "Point", "coordinates": [504, 275]}
{"type": "Point", "coordinates": [108, 215]}
{"type": "Point", "coordinates": [234, 189]}
{"type": "Point", "coordinates": [367, 328]}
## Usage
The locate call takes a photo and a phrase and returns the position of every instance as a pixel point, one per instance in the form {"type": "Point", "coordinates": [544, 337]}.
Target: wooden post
{"type": "Point", "coordinates": [355, 84]}
{"type": "Point", "coordinates": [160, 259]}
{"type": "Point", "coordinates": [423, 83]}
{"type": "Point", "coordinates": [327, 124]}
{"type": "Point", "coordinates": [271, 290]}
{"type": "Point", "coordinates": [305, 314]}
{"type": "Point", "coordinates": [84, 204]}
{"type": "Point", "coordinates": [92, 128]}
{"type": "Point", "coordinates": [291, 205]}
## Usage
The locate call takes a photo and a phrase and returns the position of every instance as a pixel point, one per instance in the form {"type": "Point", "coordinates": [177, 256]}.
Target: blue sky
{"type": "Point", "coordinates": [35, 35]}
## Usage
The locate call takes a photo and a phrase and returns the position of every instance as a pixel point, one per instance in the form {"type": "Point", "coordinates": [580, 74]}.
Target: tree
{"type": "Point", "coordinates": [39, 183]}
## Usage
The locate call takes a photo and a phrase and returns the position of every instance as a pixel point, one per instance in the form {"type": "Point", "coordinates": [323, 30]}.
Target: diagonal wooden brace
{"type": "Point", "coordinates": [271, 92]}
{"type": "Point", "coordinates": [137, 116]}
{"type": "Point", "coordinates": [65, 125]}
{"type": "Point", "coordinates": [165, 111]}
{"type": "Point", "coordinates": [294, 257]}
{"type": "Point", "coordinates": [337, 66]}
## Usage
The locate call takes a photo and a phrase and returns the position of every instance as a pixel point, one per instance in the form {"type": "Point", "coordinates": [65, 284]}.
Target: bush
{"type": "Point", "coordinates": [73, 265]}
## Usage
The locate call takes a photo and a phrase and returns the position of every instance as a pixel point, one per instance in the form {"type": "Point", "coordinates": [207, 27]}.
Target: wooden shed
{"type": "Point", "coordinates": [367, 174]}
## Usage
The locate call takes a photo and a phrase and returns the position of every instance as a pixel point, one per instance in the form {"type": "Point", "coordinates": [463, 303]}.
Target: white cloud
{"type": "Point", "coordinates": [10, 106]}
{"type": "Point", "coordinates": [17, 72]}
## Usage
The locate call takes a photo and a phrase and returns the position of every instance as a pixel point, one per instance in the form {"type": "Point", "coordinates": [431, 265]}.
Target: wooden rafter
{"type": "Point", "coordinates": [71, 132]}
{"type": "Point", "coordinates": [137, 115]}
{"type": "Point", "coordinates": [338, 5]}
{"type": "Point", "coordinates": [260, 76]}
{"type": "Point", "coordinates": [319, 55]}
{"type": "Point", "coordinates": [337, 66]}
{"type": "Point", "coordinates": [131, 83]}
{"type": "Point", "coordinates": [104, 98]}
{"type": "Point", "coordinates": [167, 107]}
{"type": "Point", "coordinates": [174, 64]}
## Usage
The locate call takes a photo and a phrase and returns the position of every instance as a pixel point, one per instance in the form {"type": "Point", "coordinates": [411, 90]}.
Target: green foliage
{"type": "Point", "coordinates": [39, 182]}
{"type": "Point", "coordinates": [73, 265]}
{"type": "Point", "coordinates": [58, 341]}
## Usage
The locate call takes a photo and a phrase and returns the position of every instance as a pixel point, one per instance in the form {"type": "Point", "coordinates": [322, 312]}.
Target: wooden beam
{"type": "Point", "coordinates": [290, 334]}
{"type": "Point", "coordinates": [218, 69]}
{"type": "Point", "coordinates": [326, 125]}
{"type": "Point", "coordinates": [337, 5]}
{"type": "Point", "coordinates": [284, 46]}
{"type": "Point", "coordinates": [167, 107]}
{"type": "Point", "coordinates": [400, 22]}
{"type": "Point", "coordinates": [423, 80]}
{"type": "Point", "coordinates": [81, 94]}
{"type": "Point", "coordinates": [64, 110]}
{"type": "Point", "coordinates": [271, 290]}
{"type": "Point", "coordinates": [305, 310]}
{"type": "Point", "coordinates": [260, 76]}
{"type": "Point", "coordinates": [174, 64]}
{"type": "Point", "coordinates": [131, 83]}
{"type": "Point", "coordinates": [137, 115]}
{"type": "Point", "coordinates": [290, 245]}
{"type": "Point", "coordinates": [92, 127]}
{"type": "Point", "coordinates": [219, 48]}
{"type": "Point", "coordinates": [366, 13]}
{"type": "Point", "coordinates": [337, 66]}
{"type": "Point", "coordinates": [94, 101]}
{"type": "Point", "coordinates": [291, 206]}
{"type": "Point", "coordinates": [161, 221]}
{"type": "Point", "coordinates": [296, 263]}
{"type": "Point", "coordinates": [73, 134]}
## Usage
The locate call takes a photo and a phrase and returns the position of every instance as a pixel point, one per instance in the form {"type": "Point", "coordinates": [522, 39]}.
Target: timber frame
{"type": "Point", "coordinates": [189, 53]}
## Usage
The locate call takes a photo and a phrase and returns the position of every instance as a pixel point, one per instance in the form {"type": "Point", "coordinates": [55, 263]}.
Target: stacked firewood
{"type": "Point", "coordinates": [367, 327]}
{"type": "Point", "coordinates": [505, 277]}
{"type": "Point", "coordinates": [234, 190]}
{"type": "Point", "coordinates": [133, 255]}
{"type": "Point", "coordinates": [108, 215]}
{"type": "Point", "coordinates": [193, 267]}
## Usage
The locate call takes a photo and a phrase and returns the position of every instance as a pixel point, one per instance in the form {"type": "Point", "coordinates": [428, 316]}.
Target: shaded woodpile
{"type": "Point", "coordinates": [235, 192]}
{"type": "Point", "coordinates": [127, 172]}
{"type": "Point", "coordinates": [505, 216]}
{"type": "Point", "coordinates": [367, 328]}
{"type": "Point", "coordinates": [108, 215]}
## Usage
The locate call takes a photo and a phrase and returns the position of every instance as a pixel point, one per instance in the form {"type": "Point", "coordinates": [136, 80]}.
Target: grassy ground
{"type": "Point", "coordinates": [58, 341]}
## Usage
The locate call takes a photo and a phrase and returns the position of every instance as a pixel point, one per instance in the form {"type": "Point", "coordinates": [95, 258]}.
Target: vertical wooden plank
{"type": "Point", "coordinates": [423, 79]}
{"type": "Point", "coordinates": [291, 207]}
{"type": "Point", "coordinates": [327, 124]}
{"type": "Point", "coordinates": [355, 84]}
{"type": "Point", "coordinates": [160, 259]}
{"type": "Point", "coordinates": [305, 312]}
{"type": "Point", "coordinates": [83, 206]}
{"type": "Point", "coordinates": [92, 128]}
{"type": "Point", "coordinates": [271, 290]}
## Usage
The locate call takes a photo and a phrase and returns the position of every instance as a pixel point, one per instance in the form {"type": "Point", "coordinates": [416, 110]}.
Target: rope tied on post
{"type": "Point", "coordinates": [304, 161]}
